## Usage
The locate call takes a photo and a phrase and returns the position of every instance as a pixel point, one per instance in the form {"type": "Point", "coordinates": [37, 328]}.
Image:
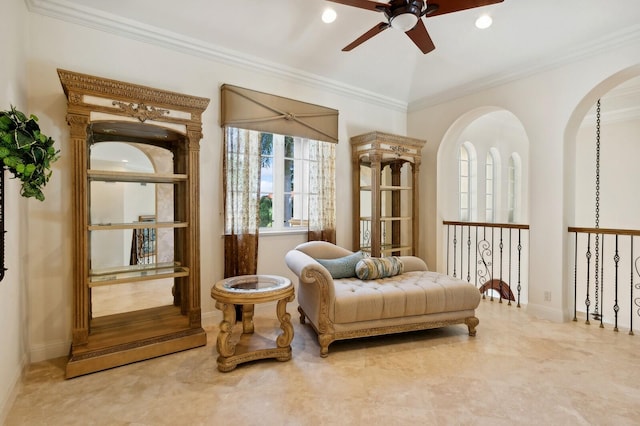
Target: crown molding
{"type": "Point", "coordinates": [574, 54]}
{"type": "Point", "coordinates": [620, 115]}
{"type": "Point", "coordinates": [92, 18]}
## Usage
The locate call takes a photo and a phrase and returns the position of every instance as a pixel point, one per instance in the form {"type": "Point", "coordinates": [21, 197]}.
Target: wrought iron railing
{"type": "Point", "coordinates": [493, 256]}
{"type": "Point", "coordinates": [605, 272]}
{"type": "Point", "coordinates": [144, 247]}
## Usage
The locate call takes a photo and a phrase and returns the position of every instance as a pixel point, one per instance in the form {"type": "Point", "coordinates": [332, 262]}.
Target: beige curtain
{"type": "Point", "coordinates": [322, 189]}
{"type": "Point", "coordinates": [242, 194]}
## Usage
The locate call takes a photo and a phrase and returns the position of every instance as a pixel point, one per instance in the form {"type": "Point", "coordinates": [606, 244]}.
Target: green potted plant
{"type": "Point", "coordinates": [26, 152]}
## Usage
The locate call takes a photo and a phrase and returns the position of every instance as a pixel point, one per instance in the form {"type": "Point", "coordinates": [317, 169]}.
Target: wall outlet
{"type": "Point", "coordinates": [547, 296]}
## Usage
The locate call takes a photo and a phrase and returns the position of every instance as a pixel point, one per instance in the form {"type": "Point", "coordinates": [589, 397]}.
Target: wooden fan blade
{"type": "Point", "coordinates": [421, 37]}
{"type": "Point", "coordinates": [448, 6]}
{"type": "Point", "coordinates": [366, 36]}
{"type": "Point", "coordinates": [364, 4]}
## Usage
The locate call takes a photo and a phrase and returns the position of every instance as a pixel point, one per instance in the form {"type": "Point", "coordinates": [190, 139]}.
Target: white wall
{"type": "Point", "coordinates": [13, 290]}
{"type": "Point", "coordinates": [550, 106]}
{"type": "Point", "coordinates": [56, 44]}
{"type": "Point", "coordinates": [619, 152]}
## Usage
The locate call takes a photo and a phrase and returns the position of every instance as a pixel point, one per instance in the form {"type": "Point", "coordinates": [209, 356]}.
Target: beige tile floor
{"type": "Point", "coordinates": [517, 370]}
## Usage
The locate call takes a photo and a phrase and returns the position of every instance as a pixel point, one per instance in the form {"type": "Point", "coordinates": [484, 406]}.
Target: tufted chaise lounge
{"type": "Point", "coordinates": [347, 308]}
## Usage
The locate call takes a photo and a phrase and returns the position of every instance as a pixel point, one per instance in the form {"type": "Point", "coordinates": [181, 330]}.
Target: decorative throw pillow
{"type": "Point", "coordinates": [342, 267]}
{"type": "Point", "coordinates": [379, 267]}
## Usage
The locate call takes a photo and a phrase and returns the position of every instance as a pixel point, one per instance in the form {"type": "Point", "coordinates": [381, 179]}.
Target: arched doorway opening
{"type": "Point", "coordinates": [495, 188]}
{"type": "Point", "coordinates": [601, 152]}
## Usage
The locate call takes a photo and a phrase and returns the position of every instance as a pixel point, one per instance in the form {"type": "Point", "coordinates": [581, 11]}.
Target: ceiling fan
{"type": "Point", "coordinates": [405, 15]}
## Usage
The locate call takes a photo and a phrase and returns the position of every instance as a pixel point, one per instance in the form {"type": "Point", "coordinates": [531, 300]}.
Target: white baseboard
{"type": "Point", "coordinates": [547, 313]}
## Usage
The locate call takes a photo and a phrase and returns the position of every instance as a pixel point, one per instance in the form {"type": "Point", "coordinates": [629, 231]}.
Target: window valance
{"type": "Point", "coordinates": [249, 109]}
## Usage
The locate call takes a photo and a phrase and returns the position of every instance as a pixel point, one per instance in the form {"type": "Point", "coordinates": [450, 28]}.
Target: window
{"type": "Point", "coordinates": [274, 182]}
{"type": "Point", "coordinates": [467, 182]}
{"type": "Point", "coordinates": [489, 189]}
{"type": "Point", "coordinates": [284, 181]}
{"type": "Point", "coordinates": [493, 179]}
{"type": "Point", "coordinates": [513, 196]}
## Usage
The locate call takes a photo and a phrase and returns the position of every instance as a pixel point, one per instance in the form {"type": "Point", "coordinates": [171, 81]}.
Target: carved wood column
{"type": "Point", "coordinates": [80, 321]}
{"type": "Point", "coordinates": [355, 190]}
{"type": "Point", "coordinates": [396, 207]}
{"type": "Point", "coordinates": [376, 231]}
{"type": "Point", "coordinates": [415, 232]}
{"type": "Point", "coordinates": [194, 134]}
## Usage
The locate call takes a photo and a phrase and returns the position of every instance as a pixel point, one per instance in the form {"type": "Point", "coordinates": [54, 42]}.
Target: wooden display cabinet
{"type": "Point", "coordinates": [385, 193]}
{"type": "Point", "coordinates": [136, 281]}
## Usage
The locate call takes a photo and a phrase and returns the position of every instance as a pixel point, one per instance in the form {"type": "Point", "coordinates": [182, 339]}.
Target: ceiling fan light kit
{"type": "Point", "coordinates": [406, 16]}
{"type": "Point", "coordinates": [403, 22]}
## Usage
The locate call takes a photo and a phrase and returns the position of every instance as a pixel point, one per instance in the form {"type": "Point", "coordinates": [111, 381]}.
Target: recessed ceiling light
{"type": "Point", "coordinates": [329, 15]}
{"type": "Point", "coordinates": [484, 21]}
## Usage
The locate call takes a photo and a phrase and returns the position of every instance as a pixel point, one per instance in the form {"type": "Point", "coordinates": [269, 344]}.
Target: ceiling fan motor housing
{"type": "Point", "coordinates": [404, 14]}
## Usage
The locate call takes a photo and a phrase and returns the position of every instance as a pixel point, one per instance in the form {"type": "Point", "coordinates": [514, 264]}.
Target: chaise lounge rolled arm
{"type": "Point", "coordinates": [348, 308]}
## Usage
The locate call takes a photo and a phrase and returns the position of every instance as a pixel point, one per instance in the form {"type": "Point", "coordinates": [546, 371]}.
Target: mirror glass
{"type": "Point", "coordinates": [130, 203]}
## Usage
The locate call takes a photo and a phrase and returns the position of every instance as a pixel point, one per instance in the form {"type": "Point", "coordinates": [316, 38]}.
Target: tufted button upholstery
{"type": "Point", "coordinates": [411, 293]}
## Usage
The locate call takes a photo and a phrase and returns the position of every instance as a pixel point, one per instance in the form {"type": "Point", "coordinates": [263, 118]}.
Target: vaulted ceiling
{"type": "Point", "coordinates": [289, 37]}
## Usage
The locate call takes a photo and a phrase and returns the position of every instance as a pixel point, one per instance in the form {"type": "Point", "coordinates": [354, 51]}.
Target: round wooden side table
{"type": "Point", "coordinates": [247, 290]}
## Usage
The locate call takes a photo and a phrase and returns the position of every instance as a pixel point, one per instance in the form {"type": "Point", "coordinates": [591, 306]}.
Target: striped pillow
{"type": "Point", "coordinates": [372, 268]}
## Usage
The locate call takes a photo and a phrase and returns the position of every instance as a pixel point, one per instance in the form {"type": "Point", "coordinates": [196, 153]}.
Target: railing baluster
{"type": "Point", "coordinates": [519, 262]}
{"type": "Point", "coordinates": [501, 249]}
{"type": "Point", "coordinates": [469, 254]}
{"type": "Point", "coordinates": [492, 250]}
{"type": "Point", "coordinates": [461, 251]}
{"type": "Point", "coordinates": [448, 248]}
{"type": "Point", "coordinates": [587, 302]}
{"type": "Point", "coordinates": [476, 263]}
{"type": "Point", "coordinates": [601, 313]}
{"type": "Point", "coordinates": [636, 301]}
{"type": "Point", "coordinates": [510, 250]}
{"type": "Point", "coordinates": [575, 280]}
{"type": "Point", "coordinates": [631, 289]}
{"type": "Point", "coordinates": [616, 307]}
{"type": "Point", "coordinates": [455, 246]}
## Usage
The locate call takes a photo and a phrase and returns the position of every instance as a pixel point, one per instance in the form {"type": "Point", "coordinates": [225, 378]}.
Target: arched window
{"type": "Point", "coordinates": [514, 190]}
{"type": "Point", "coordinates": [492, 179]}
{"type": "Point", "coordinates": [467, 200]}
{"type": "Point", "coordinates": [489, 207]}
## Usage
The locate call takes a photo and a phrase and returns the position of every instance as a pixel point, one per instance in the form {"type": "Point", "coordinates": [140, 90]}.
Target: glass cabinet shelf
{"type": "Point", "coordinates": [385, 249]}
{"type": "Point", "coordinates": [115, 176]}
{"type": "Point", "coordinates": [136, 225]}
{"type": "Point", "coordinates": [386, 218]}
{"type": "Point", "coordinates": [391, 249]}
{"type": "Point", "coordinates": [388, 188]}
{"type": "Point", "coordinates": [128, 274]}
